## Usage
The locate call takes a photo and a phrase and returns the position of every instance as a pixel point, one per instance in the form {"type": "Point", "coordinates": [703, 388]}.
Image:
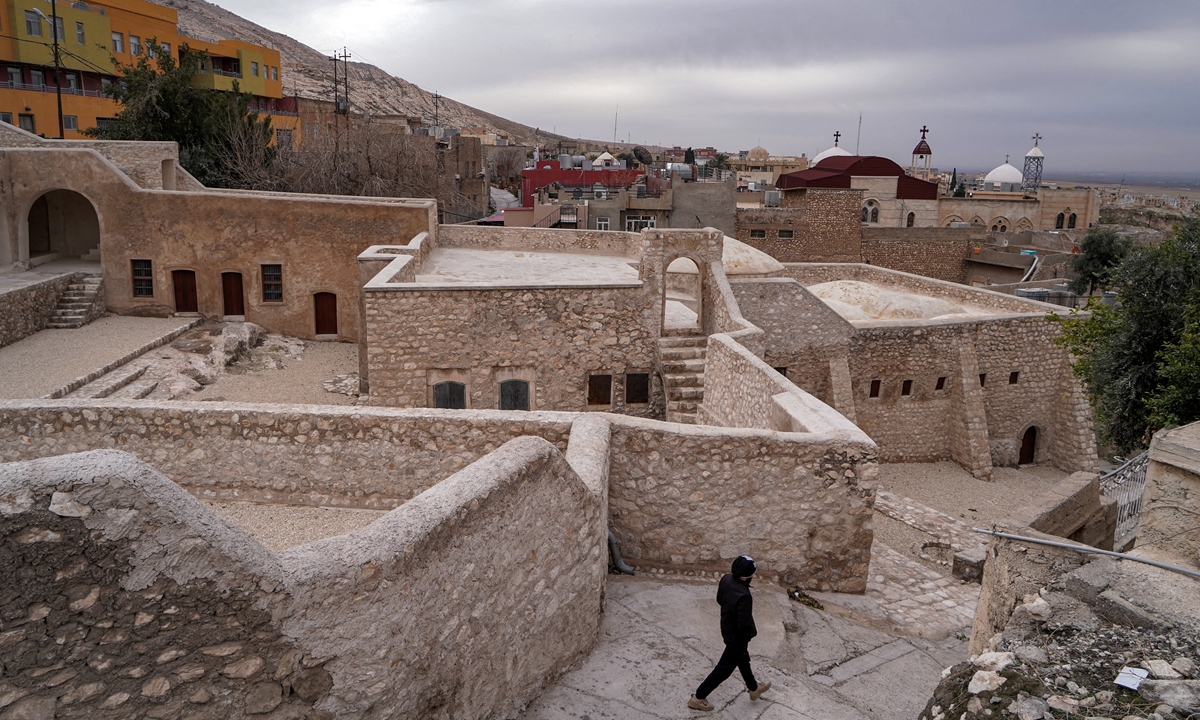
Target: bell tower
{"type": "Point", "coordinates": [1031, 178]}
{"type": "Point", "coordinates": [922, 158]}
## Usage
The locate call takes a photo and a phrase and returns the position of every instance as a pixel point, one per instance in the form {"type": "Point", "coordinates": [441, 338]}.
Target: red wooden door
{"type": "Point", "coordinates": [185, 290]}
{"type": "Point", "coordinates": [231, 288]}
{"type": "Point", "coordinates": [325, 309]}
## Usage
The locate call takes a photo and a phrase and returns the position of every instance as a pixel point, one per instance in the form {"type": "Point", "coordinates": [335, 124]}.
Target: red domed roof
{"type": "Point", "coordinates": [922, 148]}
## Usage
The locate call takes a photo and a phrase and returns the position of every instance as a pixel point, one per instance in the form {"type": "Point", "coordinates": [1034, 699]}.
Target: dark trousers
{"type": "Point", "coordinates": [736, 655]}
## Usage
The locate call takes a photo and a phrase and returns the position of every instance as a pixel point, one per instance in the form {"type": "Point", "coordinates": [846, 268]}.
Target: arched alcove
{"type": "Point", "coordinates": [683, 296]}
{"type": "Point", "coordinates": [62, 221]}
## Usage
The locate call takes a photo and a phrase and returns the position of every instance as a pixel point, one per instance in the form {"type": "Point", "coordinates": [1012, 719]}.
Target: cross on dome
{"type": "Point", "coordinates": [1036, 138]}
{"type": "Point", "coordinates": [924, 129]}
{"type": "Point", "coordinates": [836, 136]}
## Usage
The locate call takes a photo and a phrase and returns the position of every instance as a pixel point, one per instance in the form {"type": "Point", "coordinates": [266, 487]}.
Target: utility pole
{"type": "Point", "coordinates": [859, 138]}
{"type": "Point", "coordinates": [57, 68]}
{"type": "Point", "coordinates": [436, 98]}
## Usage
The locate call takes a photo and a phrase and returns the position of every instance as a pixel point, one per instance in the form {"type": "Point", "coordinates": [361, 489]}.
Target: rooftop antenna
{"type": "Point", "coordinates": [436, 97]}
{"type": "Point", "coordinates": [859, 138]}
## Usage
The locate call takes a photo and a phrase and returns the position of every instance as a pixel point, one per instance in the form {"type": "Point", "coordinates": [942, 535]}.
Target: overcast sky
{"type": "Point", "coordinates": [1110, 86]}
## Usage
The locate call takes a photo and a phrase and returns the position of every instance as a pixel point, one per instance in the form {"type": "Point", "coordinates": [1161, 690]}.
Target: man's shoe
{"type": "Point", "coordinates": [696, 703]}
{"type": "Point", "coordinates": [762, 688]}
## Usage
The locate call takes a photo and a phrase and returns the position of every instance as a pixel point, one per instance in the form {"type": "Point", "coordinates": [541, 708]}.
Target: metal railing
{"type": "Point", "coordinates": [550, 220]}
{"type": "Point", "coordinates": [1126, 485]}
{"type": "Point", "coordinates": [50, 88]}
{"type": "Point", "coordinates": [226, 73]}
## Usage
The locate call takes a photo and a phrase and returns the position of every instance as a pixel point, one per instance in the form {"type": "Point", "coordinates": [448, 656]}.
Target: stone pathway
{"type": "Point", "coordinates": [917, 600]}
{"type": "Point", "coordinates": [928, 520]}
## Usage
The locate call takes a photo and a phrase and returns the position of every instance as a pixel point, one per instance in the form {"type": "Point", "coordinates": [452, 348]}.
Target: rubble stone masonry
{"type": "Point", "coordinates": [26, 310]}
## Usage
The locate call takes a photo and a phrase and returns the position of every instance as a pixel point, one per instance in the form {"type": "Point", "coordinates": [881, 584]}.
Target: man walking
{"type": "Point", "coordinates": [737, 629]}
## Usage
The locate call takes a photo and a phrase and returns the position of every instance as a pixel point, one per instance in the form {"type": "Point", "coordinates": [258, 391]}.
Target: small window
{"type": "Point", "coordinates": [906, 387]}
{"type": "Point", "coordinates": [166, 49]}
{"type": "Point", "coordinates": [787, 234]}
{"type": "Point", "coordinates": [781, 370]}
{"type": "Point", "coordinates": [72, 81]}
{"type": "Point", "coordinates": [135, 45]}
{"type": "Point", "coordinates": [79, 33]}
{"type": "Point", "coordinates": [25, 120]}
{"type": "Point", "coordinates": [106, 86]}
{"type": "Point", "coordinates": [599, 391]}
{"type": "Point", "coordinates": [6, 117]}
{"type": "Point", "coordinates": [274, 72]}
{"type": "Point", "coordinates": [1058, 221]}
{"type": "Point", "coordinates": [58, 25]}
{"type": "Point", "coordinates": [14, 76]}
{"type": "Point", "coordinates": [874, 214]}
{"type": "Point", "coordinates": [637, 388]}
{"type": "Point", "coordinates": [514, 395]}
{"type": "Point", "coordinates": [33, 24]}
{"type": "Point", "coordinates": [1013, 377]}
{"type": "Point", "coordinates": [272, 284]}
{"type": "Point", "coordinates": [982, 379]}
{"type": "Point", "coordinates": [1071, 221]}
{"type": "Point", "coordinates": [254, 69]}
{"type": "Point", "coordinates": [449, 395]}
{"type": "Point", "coordinates": [601, 223]}
{"type": "Point", "coordinates": [37, 78]}
{"type": "Point", "coordinates": [941, 383]}
{"type": "Point", "coordinates": [143, 279]}
{"type": "Point", "coordinates": [758, 234]}
{"type": "Point", "coordinates": [912, 220]}
{"type": "Point", "coordinates": [70, 122]}
{"type": "Point", "coordinates": [875, 387]}
{"type": "Point", "coordinates": [118, 42]}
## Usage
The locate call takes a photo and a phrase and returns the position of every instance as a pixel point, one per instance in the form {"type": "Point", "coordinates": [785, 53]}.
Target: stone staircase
{"type": "Point", "coordinates": [681, 359]}
{"type": "Point", "coordinates": [125, 383]}
{"type": "Point", "coordinates": [75, 305]}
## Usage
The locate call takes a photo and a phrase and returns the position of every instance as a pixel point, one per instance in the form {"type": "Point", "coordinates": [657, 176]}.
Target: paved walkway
{"type": "Point", "coordinates": [14, 279]}
{"type": "Point", "coordinates": [47, 360]}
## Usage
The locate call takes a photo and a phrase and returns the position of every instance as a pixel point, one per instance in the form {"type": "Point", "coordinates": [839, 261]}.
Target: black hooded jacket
{"type": "Point", "coordinates": [737, 610]}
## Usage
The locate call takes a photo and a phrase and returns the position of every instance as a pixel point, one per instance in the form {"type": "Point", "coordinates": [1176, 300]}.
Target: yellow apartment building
{"type": "Point", "coordinates": [90, 36]}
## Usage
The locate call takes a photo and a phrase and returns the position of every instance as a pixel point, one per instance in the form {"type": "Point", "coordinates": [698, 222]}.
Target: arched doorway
{"type": "Point", "coordinates": [683, 297]}
{"type": "Point", "coordinates": [63, 221]}
{"type": "Point", "coordinates": [325, 311]}
{"type": "Point", "coordinates": [1028, 447]}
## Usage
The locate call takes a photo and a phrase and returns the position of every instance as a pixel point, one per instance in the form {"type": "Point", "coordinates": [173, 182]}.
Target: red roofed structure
{"type": "Point", "coordinates": [836, 172]}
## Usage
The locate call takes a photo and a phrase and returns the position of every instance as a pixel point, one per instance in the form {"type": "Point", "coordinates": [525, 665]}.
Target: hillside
{"type": "Point", "coordinates": [309, 73]}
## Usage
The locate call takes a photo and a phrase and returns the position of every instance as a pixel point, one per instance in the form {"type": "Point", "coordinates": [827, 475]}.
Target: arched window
{"type": "Point", "coordinates": [1058, 221]}
{"type": "Point", "coordinates": [995, 228]}
{"type": "Point", "coordinates": [514, 395]}
{"type": "Point", "coordinates": [450, 395]}
{"type": "Point", "coordinates": [1003, 228]}
{"type": "Point", "coordinates": [866, 214]}
{"type": "Point", "coordinates": [874, 214]}
{"type": "Point", "coordinates": [912, 219]}
{"type": "Point", "coordinates": [1071, 221]}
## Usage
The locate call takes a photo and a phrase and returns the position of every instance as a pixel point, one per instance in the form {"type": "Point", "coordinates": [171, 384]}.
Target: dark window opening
{"type": "Point", "coordinates": [982, 379]}
{"type": "Point", "coordinates": [941, 383]}
{"type": "Point", "coordinates": [875, 385]}
{"type": "Point", "coordinates": [1071, 221]}
{"type": "Point", "coordinates": [787, 234]}
{"type": "Point", "coordinates": [450, 395]}
{"type": "Point", "coordinates": [143, 279]}
{"type": "Point", "coordinates": [758, 234]}
{"type": "Point", "coordinates": [514, 395]}
{"type": "Point", "coordinates": [874, 214]}
{"type": "Point", "coordinates": [906, 387]}
{"type": "Point", "coordinates": [782, 371]}
{"type": "Point", "coordinates": [1058, 221]}
{"type": "Point", "coordinates": [912, 220]}
{"type": "Point", "coordinates": [272, 284]}
{"type": "Point", "coordinates": [1013, 377]}
{"type": "Point", "coordinates": [599, 390]}
{"type": "Point", "coordinates": [637, 388]}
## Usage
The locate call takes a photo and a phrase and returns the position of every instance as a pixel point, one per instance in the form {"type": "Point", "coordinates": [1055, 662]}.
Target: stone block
{"type": "Point", "coordinates": [968, 564]}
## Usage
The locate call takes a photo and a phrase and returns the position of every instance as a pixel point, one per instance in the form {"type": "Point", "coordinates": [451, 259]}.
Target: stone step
{"type": "Point", "coordinates": [691, 365]}
{"type": "Point", "coordinates": [77, 297]}
{"type": "Point", "coordinates": [81, 304]}
{"type": "Point", "coordinates": [107, 385]}
{"type": "Point", "coordinates": [685, 418]}
{"type": "Point", "coordinates": [64, 324]}
{"type": "Point", "coordinates": [685, 393]}
{"type": "Point", "coordinates": [136, 390]}
{"type": "Point", "coordinates": [684, 380]}
{"type": "Point", "coordinates": [683, 341]}
{"type": "Point", "coordinates": [682, 353]}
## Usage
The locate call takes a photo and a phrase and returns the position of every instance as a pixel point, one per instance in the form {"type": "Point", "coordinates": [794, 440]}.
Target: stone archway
{"type": "Point", "coordinates": [61, 222]}
{"type": "Point", "coordinates": [683, 296]}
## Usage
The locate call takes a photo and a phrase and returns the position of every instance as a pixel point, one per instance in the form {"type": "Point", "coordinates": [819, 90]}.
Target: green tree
{"type": "Point", "coordinates": [689, 157]}
{"type": "Point", "coordinates": [1102, 250]}
{"type": "Point", "coordinates": [720, 162]}
{"type": "Point", "coordinates": [159, 102]}
{"type": "Point", "coordinates": [1133, 359]}
{"type": "Point", "coordinates": [953, 180]}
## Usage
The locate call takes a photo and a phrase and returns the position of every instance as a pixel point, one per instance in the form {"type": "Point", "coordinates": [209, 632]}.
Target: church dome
{"type": "Point", "coordinates": [922, 148]}
{"type": "Point", "coordinates": [1004, 175]}
{"type": "Point", "coordinates": [834, 151]}
{"type": "Point", "coordinates": [758, 153]}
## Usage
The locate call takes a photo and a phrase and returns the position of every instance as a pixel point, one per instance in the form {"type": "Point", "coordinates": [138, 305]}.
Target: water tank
{"type": "Point", "coordinates": [577, 160]}
{"type": "Point", "coordinates": [564, 162]}
{"type": "Point", "coordinates": [771, 198]}
{"type": "Point", "coordinates": [1039, 294]}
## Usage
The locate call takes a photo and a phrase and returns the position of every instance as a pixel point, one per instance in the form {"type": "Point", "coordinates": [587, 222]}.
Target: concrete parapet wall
{"type": "Point", "coordinates": [601, 242]}
{"type": "Point", "coordinates": [26, 310]}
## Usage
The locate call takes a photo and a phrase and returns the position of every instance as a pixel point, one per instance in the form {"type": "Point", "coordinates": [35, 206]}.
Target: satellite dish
{"type": "Point", "coordinates": [643, 155]}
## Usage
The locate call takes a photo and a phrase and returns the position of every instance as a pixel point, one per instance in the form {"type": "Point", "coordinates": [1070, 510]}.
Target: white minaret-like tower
{"type": "Point", "coordinates": [1031, 178]}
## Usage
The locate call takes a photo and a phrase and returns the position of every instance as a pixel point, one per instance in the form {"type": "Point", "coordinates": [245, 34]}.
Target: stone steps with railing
{"type": "Point", "coordinates": [681, 360]}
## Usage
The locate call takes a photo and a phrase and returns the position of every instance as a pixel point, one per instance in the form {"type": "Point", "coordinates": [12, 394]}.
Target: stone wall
{"type": "Point", "coordinates": [825, 224]}
{"type": "Point", "coordinates": [1171, 500]}
{"type": "Point", "coordinates": [1075, 509]}
{"type": "Point", "coordinates": [601, 242]}
{"type": "Point", "coordinates": [142, 161]}
{"type": "Point", "coordinates": [26, 310]}
{"type": "Point", "coordinates": [704, 204]}
{"type": "Point", "coordinates": [939, 253]}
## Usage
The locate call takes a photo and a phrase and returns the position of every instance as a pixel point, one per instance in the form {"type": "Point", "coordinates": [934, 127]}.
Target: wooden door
{"type": "Point", "coordinates": [1028, 446]}
{"type": "Point", "coordinates": [231, 289]}
{"type": "Point", "coordinates": [185, 291]}
{"type": "Point", "coordinates": [325, 309]}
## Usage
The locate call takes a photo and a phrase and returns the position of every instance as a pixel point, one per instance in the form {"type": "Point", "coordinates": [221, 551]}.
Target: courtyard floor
{"type": "Point", "coordinates": [299, 382]}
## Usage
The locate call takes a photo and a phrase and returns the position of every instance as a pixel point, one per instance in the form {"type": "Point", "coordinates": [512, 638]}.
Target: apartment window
{"type": "Point", "coordinates": [601, 223]}
{"type": "Point", "coordinates": [166, 49]}
{"type": "Point", "coordinates": [72, 81]}
{"type": "Point", "coordinates": [941, 383]}
{"type": "Point", "coordinates": [272, 284]}
{"type": "Point", "coordinates": [143, 279]}
{"type": "Point", "coordinates": [638, 223]}
{"type": "Point", "coordinates": [450, 395]}
{"type": "Point", "coordinates": [26, 123]}
{"type": "Point", "coordinates": [787, 234]}
{"type": "Point", "coordinates": [135, 45]}
{"type": "Point", "coordinates": [982, 379]}
{"type": "Point", "coordinates": [150, 52]}
{"type": "Point", "coordinates": [79, 33]}
{"type": "Point", "coordinates": [1013, 377]}
{"type": "Point", "coordinates": [33, 24]}
{"type": "Point", "coordinates": [906, 388]}
{"type": "Point", "coordinates": [283, 138]}
{"type": "Point", "coordinates": [37, 78]}
{"type": "Point", "coordinates": [274, 72]}
{"type": "Point", "coordinates": [62, 36]}
{"type": "Point", "coordinates": [637, 388]}
{"type": "Point", "coordinates": [876, 385]}
{"type": "Point", "coordinates": [14, 76]}
{"type": "Point", "coordinates": [599, 391]}
{"type": "Point", "coordinates": [758, 234]}
{"type": "Point", "coordinates": [70, 122]}
{"type": "Point", "coordinates": [254, 69]}
{"type": "Point", "coordinates": [6, 117]}
{"type": "Point", "coordinates": [118, 42]}
{"type": "Point", "coordinates": [106, 86]}
{"type": "Point", "coordinates": [514, 395]}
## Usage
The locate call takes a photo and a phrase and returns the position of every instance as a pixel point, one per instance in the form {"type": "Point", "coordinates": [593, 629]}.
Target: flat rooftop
{"type": "Point", "coordinates": [860, 302]}
{"type": "Point", "coordinates": [469, 266]}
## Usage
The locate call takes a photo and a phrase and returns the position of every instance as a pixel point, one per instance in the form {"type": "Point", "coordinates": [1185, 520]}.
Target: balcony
{"type": "Point", "coordinates": [50, 89]}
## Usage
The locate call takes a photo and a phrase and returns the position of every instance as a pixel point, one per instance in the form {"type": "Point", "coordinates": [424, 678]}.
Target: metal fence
{"type": "Point", "coordinates": [1125, 485]}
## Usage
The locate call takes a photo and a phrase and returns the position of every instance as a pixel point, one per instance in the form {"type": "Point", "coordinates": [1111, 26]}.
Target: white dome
{"type": "Point", "coordinates": [834, 151]}
{"type": "Point", "coordinates": [1005, 174]}
{"type": "Point", "coordinates": [1035, 152]}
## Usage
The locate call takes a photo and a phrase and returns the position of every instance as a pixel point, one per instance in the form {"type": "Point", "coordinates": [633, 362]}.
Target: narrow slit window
{"type": "Point", "coordinates": [906, 387]}
{"type": "Point", "coordinates": [143, 279]}
{"type": "Point", "coordinates": [599, 390]}
{"type": "Point", "coordinates": [875, 387]}
{"type": "Point", "coordinates": [272, 284]}
{"type": "Point", "coordinates": [1013, 377]}
{"type": "Point", "coordinates": [941, 383]}
{"type": "Point", "coordinates": [982, 379]}
{"type": "Point", "coordinates": [637, 388]}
